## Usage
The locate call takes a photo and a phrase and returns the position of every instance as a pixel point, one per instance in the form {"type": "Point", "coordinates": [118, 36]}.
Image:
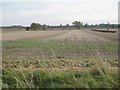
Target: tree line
{"type": "Point", "coordinates": [75, 24]}
{"type": "Point", "coordinates": [37, 26]}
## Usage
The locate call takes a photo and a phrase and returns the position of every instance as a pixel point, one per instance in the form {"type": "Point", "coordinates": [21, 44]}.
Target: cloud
{"type": "Point", "coordinates": [60, 1]}
{"type": "Point", "coordinates": [55, 13]}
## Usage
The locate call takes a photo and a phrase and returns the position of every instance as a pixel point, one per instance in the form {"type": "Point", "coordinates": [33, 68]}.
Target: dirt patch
{"type": "Point", "coordinates": [82, 35]}
{"type": "Point", "coordinates": [57, 64]}
{"type": "Point", "coordinates": [85, 35]}
{"type": "Point", "coordinates": [23, 35]}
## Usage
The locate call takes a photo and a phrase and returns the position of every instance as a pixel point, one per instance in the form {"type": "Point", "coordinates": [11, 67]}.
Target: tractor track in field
{"type": "Point", "coordinates": [85, 36]}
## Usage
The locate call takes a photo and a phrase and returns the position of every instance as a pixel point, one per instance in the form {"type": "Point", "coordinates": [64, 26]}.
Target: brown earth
{"type": "Point", "coordinates": [86, 35]}
{"type": "Point", "coordinates": [23, 35]}
{"type": "Point", "coordinates": [82, 35]}
{"type": "Point", "coordinates": [58, 64]}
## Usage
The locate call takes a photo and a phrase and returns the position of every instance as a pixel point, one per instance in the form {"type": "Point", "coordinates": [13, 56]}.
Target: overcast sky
{"type": "Point", "coordinates": [56, 12]}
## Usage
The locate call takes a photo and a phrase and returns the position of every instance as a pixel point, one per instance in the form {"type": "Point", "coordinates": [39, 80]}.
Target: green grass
{"type": "Point", "coordinates": [16, 48]}
{"type": "Point", "coordinates": [93, 78]}
{"type": "Point", "coordinates": [55, 59]}
{"type": "Point", "coordinates": [58, 44]}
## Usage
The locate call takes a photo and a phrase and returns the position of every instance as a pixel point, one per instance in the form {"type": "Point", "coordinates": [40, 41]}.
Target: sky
{"type": "Point", "coordinates": [56, 12]}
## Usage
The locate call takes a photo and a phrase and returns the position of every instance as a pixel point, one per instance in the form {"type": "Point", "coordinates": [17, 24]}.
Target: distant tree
{"type": "Point", "coordinates": [35, 26]}
{"type": "Point", "coordinates": [96, 25]}
{"type": "Point", "coordinates": [60, 25]}
{"type": "Point", "coordinates": [92, 25]}
{"type": "Point", "coordinates": [118, 25]}
{"type": "Point", "coordinates": [16, 26]}
{"type": "Point", "coordinates": [108, 26]}
{"type": "Point", "coordinates": [102, 25]}
{"type": "Point", "coordinates": [86, 25]}
{"type": "Point", "coordinates": [67, 25]}
{"type": "Point", "coordinates": [77, 24]}
{"type": "Point", "coordinates": [112, 26]}
{"type": "Point", "coordinates": [44, 27]}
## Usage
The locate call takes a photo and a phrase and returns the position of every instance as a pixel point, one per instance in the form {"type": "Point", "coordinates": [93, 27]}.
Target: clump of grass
{"type": "Point", "coordinates": [7, 79]}
{"type": "Point", "coordinates": [103, 73]}
{"type": "Point", "coordinates": [88, 78]}
{"type": "Point", "coordinates": [27, 65]}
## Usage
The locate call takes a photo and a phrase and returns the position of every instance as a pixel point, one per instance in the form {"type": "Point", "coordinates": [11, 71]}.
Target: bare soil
{"type": "Point", "coordinates": [82, 35]}
{"type": "Point", "coordinates": [58, 64]}
{"type": "Point", "coordinates": [14, 35]}
{"type": "Point", "coordinates": [86, 35]}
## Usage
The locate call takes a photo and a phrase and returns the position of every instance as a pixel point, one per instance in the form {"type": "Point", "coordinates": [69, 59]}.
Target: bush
{"type": "Point", "coordinates": [36, 26]}
{"type": "Point", "coordinates": [44, 27]}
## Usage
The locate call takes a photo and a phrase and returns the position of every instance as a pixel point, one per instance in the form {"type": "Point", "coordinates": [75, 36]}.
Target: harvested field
{"type": "Point", "coordinates": [80, 44]}
{"type": "Point", "coordinates": [83, 43]}
{"type": "Point", "coordinates": [23, 35]}
{"type": "Point", "coordinates": [60, 58]}
{"type": "Point", "coordinates": [59, 44]}
{"type": "Point", "coordinates": [83, 35]}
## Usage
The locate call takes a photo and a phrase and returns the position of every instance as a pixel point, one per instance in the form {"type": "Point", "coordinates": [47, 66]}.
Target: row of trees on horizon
{"type": "Point", "coordinates": [75, 24]}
